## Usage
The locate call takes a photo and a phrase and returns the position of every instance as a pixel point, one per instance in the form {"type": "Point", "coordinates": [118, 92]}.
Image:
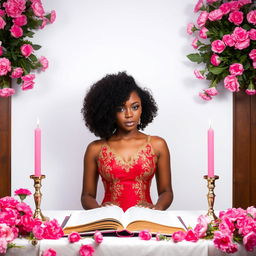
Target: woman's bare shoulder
{"type": "Point", "coordinates": [95, 146]}
{"type": "Point", "coordinates": [159, 144]}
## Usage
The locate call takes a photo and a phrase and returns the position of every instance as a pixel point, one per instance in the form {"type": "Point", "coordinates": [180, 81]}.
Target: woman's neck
{"type": "Point", "coordinates": [126, 134]}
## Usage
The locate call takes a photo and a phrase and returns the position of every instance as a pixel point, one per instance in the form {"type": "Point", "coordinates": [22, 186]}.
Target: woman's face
{"type": "Point", "coordinates": [128, 115]}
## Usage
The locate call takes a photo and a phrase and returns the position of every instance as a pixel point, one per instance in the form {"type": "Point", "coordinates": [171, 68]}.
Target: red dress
{"type": "Point", "coordinates": [127, 183]}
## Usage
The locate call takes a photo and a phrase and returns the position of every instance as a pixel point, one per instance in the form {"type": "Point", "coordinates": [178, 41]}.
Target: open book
{"type": "Point", "coordinates": [112, 218]}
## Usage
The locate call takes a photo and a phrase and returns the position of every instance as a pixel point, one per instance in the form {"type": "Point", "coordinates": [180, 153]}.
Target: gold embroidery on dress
{"type": "Point", "coordinates": [105, 169]}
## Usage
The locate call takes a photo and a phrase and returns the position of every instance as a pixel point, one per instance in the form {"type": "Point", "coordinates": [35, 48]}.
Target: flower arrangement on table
{"type": "Point", "coordinates": [225, 38]}
{"type": "Point", "coordinates": [18, 20]}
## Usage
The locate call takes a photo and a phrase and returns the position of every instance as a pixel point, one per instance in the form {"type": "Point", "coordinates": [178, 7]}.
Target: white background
{"type": "Point", "coordinates": [148, 39]}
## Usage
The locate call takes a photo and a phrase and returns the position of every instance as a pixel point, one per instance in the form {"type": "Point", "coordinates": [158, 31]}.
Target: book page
{"type": "Point", "coordinates": [145, 214]}
{"type": "Point", "coordinates": [88, 216]}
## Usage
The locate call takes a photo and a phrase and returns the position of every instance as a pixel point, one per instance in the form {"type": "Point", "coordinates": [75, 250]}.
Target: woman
{"type": "Point", "coordinates": [116, 109]}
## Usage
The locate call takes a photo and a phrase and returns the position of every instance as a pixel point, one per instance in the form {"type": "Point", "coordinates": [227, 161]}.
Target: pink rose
{"type": "Point", "coordinates": [215, 60]}
{"type": "Point", "coordinates": [2, 12]}
{"type": "Point", "coordinates": [231, 83]}
{"type": "Point", "coordinates": [251, 17]}
{"type": "Point", "coordinates": [190, 27]}
{"type": "Point", "coordinates": [250, 91]}
{"type": "Point", "coordinates": [16, 31]}
{"type": "Point", "coordinates": [145, 235]}
{"type": "Point", "coordinates": [236, 17]}
{"type": "Point", "coordinates": [249, 241]}
{"type": "Point", "coordinates": [28, 82]}
{"type": "Point", "coordinates": [202, 18]}
{"type": "Point", "coordinates": [49, 252]}
{"type": "Point", "coordinates": [194, 43]}
{"type": "Point", "coordinates": [203, 221]}
{"type": "Point", "coordinates": [252, 34]}
{"type": "Point", "coordinates": [252, 54]}
{"type": "Point", "coordinates": [198, 74]}
{"type": "Point", "coordinates": [198, 6]}
{"type": "Point", "coordinates": [216, 14]}
{"type": "Point", "coordinates": [212, 91]}
{"type": "Point", "coordinates": [252, 211]}
{"type": "Point", "coordinates": [38, 232]}
{"type": "Point", "coordinates": [225, 8]}
{"type": "Point", "coordinates": [203, 32]}
{"type": "Point", "coordinates": [53, 16]}
{"type": "Point", "coordinates": [27, 222]}
{"type": "Point", "coordinates": [228, 40]}
{"type": "Point", "coordinates": [191, 236]}
{"type": "Point", "coordinates": [236, 69]}
{"type": "Point", "coordinates": [38, 8]}
{"type": "Point", "coordinates": [44, 62]}
{"type": "Point", "coordinates": [98, 237]}
{"type": "Point", "coordinates": [26, 50]}
{"type": "Point", "coordinates": [43, 23]}
{"type": "Point", "coordinates": [86, 250]}
{"type": "Point", "coordinates": [242, 45]}
{"type": "Point", "coordinates": [2, 23]}
{"type": "Point", "coordinates": [24, 208]}
{"type": "Point", "coordinates": [218, 46]}
{"type": "Point", "coordinates": [239, 34]}
{"type": "Point", "coordinates": [254, 64]}
{"type": "Point", "coordinates": [20, 21]}
{"type": "Point", "coordinates": [6, 92]}
{"type": "Point", "coordinates": [52, 230]}
{"type": "Point", "coordinates": [234, 5]}
{"type": "Point", "coordinates": [1, 51]}
{"type": "Point", "coordinates": [6, 233]}
{"type": "Point", "coordinates": [178, 236]}
{"type": "Point", "coordinates": [3, 245]}
{"type": "Point", "coordinates": [17, 72]}
{"type": "Point", "coordinates": [5, 66]}
{"type": "Point", "coordinates": [74, 237]}
{"type": "Point", "coordinates": [223, 242]}
{"type": "Point", "coordinates": [205, 96]}
{"type": "Point", "coordinates": [14, 8]}
{"type": "Point", "coordinates": [244, 2]}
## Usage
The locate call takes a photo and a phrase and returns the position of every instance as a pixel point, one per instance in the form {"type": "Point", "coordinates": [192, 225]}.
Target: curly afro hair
{"type": "Point", "coordinates": [105, 96]}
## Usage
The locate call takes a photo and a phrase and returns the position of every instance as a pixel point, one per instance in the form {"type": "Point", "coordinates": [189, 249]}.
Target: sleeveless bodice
{"type": "Point", "coordinates": [127, 183]}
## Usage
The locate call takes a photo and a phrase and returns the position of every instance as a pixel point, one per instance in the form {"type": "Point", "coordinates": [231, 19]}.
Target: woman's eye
{"type": "Point", "coordinates": [120, 109]}
{"type": "Point", "coordinates": [135, 107]}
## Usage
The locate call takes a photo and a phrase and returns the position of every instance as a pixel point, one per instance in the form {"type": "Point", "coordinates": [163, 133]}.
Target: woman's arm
{"type": "Point", "coordinates": [163, 174]}
{"type": "Point", "coordinates": [90, 179]}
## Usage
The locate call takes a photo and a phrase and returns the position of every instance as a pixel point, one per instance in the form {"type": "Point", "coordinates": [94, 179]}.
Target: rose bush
{"type": "Point", "coordinates": [225, 38]}
{"type": "Point", "coordinates": [18, 20]}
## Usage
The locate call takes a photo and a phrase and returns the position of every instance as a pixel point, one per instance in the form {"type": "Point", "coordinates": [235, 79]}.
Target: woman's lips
{"type": "Point", "coordinates": [130, 123]}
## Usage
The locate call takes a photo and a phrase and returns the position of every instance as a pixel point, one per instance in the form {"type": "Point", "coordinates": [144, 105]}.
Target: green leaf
{"type": "Point", "coordinates": [195, 57]}
{"type": "Point", "coordinates": [217, 70]}
{"type": "Point", "coordinates": [33, 58]}
{"type": "Point", "coordinates": [30, 34]}
{"type": "Point", "coordinates": [36, 46]}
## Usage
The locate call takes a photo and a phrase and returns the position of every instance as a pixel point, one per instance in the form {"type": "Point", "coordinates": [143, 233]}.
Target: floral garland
{"type": "Point", "coordinates": [18, 20]}
{"type": "Point", "coordinates": [225, 38]}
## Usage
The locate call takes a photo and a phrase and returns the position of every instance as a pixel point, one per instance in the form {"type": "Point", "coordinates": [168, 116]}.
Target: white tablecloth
{"type": "Point", "coordinates": [127, 246]}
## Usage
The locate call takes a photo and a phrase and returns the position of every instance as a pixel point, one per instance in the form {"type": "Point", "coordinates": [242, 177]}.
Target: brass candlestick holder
{"type": "Point", "coordinates": [211, 196]}
{"type": "Point", "coordinates": [38, 197]}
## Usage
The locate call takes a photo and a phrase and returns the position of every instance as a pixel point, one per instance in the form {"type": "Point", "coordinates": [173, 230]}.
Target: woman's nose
{"type": "Point", "coordinates": [128, 113]}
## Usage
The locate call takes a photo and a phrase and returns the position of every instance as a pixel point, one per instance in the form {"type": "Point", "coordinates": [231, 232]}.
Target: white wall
{"type": "Point", "coordinates": [148, 39]}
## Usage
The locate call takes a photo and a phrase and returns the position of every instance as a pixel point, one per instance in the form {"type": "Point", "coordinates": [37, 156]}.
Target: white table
{"type": "Point", "coordinates": [129, 246]}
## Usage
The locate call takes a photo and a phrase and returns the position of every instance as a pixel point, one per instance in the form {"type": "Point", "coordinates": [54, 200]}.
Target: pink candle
{"type": "Point", "coordinates": [210, 152]}
{"type": "Point", "coordinates": [37, 150]}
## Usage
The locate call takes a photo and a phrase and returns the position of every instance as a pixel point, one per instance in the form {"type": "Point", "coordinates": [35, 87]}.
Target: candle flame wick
{"type": "Point", "coordinates": [37, 122]}
{"type": "Point", "coordinates": [210, 124]}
